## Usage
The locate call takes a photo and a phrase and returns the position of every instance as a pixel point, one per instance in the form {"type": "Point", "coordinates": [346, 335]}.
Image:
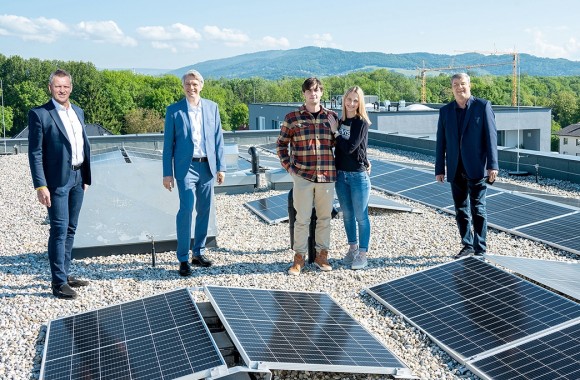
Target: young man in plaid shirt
{"type": "Point", "coordinates": [310, 162]}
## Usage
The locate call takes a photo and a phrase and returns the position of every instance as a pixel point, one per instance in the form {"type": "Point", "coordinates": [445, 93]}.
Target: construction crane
{"type": "Point", "coordinates": [514, 64]}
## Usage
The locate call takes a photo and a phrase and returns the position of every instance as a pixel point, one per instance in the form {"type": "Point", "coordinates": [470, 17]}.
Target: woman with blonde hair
{"type": "Point", "coordinates": [353, 183]}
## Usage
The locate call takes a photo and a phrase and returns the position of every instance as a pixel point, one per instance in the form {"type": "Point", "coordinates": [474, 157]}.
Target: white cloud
{"type": "Point", "coordinates": [321, 40]}
{"type": "Point", "coordinates": [175, 32]}
{"type": "Point", "coordinates": [544, 46]}
{"type": "Point", "coordinates": [104, 32]}
{"type": "Point", "coordinates": [174, 37]}
{"type": "Point", "coordinates": [40, 29]}
{"type": "Point", "coordinates": [229, 37]}
{"type": "Point", "coordinates": [271, 42]}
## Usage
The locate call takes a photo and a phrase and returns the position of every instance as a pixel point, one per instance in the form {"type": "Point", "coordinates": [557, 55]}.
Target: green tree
{"type": "Point", "coordinates": [240, 116]}
{"type": "Point", "coordinates": [142, 120]}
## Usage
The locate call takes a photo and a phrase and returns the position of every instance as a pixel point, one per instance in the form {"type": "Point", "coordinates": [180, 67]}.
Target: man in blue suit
{"type": "Point", "coordinates": [59, 155]}
{"type": "Point", "coordinates": [193, 154]}
{"type": "Point", "coordinates": [467, 146]}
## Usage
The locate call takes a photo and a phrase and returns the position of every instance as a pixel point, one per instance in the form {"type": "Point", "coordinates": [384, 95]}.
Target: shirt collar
{"type": "Point", "coordinates": [58, 106]}
{"type": "Point", "coordinates": [191, 108]}
{"type": "Point", "coordinates": [467, 104]}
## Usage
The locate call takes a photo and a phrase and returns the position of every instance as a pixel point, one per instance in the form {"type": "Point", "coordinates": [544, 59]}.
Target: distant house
{"type": "Point", "coordinates": [92, 130]}
{"type": "Point", "coordinates": [570, 139]}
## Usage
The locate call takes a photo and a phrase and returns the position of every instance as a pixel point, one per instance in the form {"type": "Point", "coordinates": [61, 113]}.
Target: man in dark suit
{"type": "Point", "coordinates": [193, 153]}
{"type": "Point", "coordinates": [59, 156]}
{"type": "Point", "coordinates": [467, 146]}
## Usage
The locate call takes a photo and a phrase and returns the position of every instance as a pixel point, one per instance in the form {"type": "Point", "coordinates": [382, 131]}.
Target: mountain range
{"type": "Point", "coordinates": [322, 62]}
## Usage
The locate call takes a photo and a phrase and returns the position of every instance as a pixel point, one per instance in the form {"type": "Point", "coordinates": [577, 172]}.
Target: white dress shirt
{"type": "Point", "coordinates": [196, 121]}
{"type": "Point", "coordinates": [74, 131]}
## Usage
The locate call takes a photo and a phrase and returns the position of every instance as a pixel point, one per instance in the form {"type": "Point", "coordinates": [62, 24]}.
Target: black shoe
{"type": "Point", "coordinates": [76, 282]}
{"type": "Point", "coordinates": [184, 269]}
{"type": "Point", "coordinates": [201, 261]}
{"type": "Point", "coordinates": [479, 254]}
{"type": "Point", "coordinates": [465, 252]}
{"type": "Point", "coordinates": [64, 291]}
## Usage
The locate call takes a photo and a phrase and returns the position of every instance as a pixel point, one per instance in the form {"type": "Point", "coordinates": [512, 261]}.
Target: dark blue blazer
{"type": "Point", "coordinates": [478, 140]}
{"type": "Point", "coordinates": [49, 149]}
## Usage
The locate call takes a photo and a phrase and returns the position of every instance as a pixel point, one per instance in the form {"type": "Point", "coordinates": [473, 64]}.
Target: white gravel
{"type": "Point", "coordinates": [250, 254]}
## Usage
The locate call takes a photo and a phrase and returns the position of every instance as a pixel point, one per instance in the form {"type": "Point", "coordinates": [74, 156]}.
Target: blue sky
{"type": "Point", "coordinates": [169, 34]}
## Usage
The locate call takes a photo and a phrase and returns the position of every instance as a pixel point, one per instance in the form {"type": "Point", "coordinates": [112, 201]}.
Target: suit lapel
{"type": "Point", "coordinates": [467, 116]}
{"type": "Point", "coordinates": [55, 116]}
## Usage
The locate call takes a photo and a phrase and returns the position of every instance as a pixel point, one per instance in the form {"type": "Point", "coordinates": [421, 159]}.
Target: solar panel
{"type": "Point", "coordinates": [510, 211]}
{"type": "Point", "coordinates": [469, 307]}
{"type": "Point", "coordinates": [162, 336]}
{"type": "Point", "coordinates": [400, 180]}
{"type": "Point", "coordinates": [383, 167]}
{"type": "Point", "coordinates": [561, 232]}
{"type": "Point", "coordinates": [299, 331]}
{"type": "Point", "coordinates": [376, 201]}
{"type": "Point", "coordinates": [562, 276]}
{"type": "Point", "coordinates": [272, 210]}
{"type": "Point", "coordinates": [553, 356]}
{"type": "Point", "coordinates": [433, 194]}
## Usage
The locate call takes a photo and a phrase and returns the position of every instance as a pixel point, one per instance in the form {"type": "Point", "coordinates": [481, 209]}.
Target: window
{"type": "Point", "coordinates": [261, 123]}
{"type": "Point", "coordinates": [565, 140]}
{"type": "Point", "coordinates": [577, 142]}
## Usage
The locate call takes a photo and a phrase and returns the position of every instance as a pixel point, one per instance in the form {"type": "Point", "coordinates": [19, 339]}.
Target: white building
{"type": "Point", "coordinates": [570, 140]}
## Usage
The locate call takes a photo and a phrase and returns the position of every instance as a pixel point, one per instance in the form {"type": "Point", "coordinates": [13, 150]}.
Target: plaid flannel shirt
{"type": "Point", "coordinates": [311, 142]}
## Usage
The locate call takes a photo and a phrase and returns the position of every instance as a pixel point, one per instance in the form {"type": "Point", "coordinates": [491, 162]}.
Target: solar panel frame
{"type": "Point", "coordinates": [472, 326]}
{"type": "Point", "coordinates": [271, 328]}
{"type": "Point", "coordinates": [136, 339]}
{"type": "Point", "coordinates": [554, 355]}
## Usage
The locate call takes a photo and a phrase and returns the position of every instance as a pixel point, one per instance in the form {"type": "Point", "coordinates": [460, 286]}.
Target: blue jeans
{"type": "Point", "coordinates": [353, 190]}
{"type": "Point", "coordinates": [66, 202]}
{"type": "Point", "coordinates": [469, 200]}
{"type": "Point", "coordinates": [195, 189]}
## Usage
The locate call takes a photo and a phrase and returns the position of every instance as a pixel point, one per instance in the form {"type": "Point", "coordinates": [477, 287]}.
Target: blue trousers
{"type": "Point", "coordinates": [469, 201]}
{"type": "Point", "coordinates": [195, 189]}
{"type": "Point", "coordinates": [66, 202]}
{"type": "Point", "coordinates": [353, 190]}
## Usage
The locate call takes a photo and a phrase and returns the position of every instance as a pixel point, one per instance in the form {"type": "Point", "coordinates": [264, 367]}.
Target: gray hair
{"type": "Point", "coordinates": [59, 73]}
{"type": "Point", "coordinates": [460, 76]}
{"type": "Point", "coordinates": [193, 73]}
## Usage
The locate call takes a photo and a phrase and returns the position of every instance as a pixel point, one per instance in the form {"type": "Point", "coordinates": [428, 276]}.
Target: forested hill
{"type": "Point", "coordinates": [322, 62]}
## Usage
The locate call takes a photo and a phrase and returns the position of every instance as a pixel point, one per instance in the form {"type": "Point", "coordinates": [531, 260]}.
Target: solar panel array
{"type": "Point", "coordinates": [471, 308]}
{"type": "Point", "coordinates": [562, 276]}
{"type": "Point", "coordinates": [156, 337]}
{"type": "Point", "coordinates": [531, 217]}
{"type": "Point", "coordinates": [299, 331]}
{"type": "Point", "coordinates": [274, 209]}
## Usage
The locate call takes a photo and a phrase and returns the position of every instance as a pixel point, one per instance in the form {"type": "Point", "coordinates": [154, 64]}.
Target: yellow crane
{"type": "Point", "coordinates": [514, 63]}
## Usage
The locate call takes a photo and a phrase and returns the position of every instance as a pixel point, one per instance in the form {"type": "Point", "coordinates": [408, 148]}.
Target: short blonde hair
{"type": "Point", "coordinates": [361, 111]}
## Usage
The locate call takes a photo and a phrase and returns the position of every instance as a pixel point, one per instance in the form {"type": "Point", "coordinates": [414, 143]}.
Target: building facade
{"type": "Point", "coordinates": [523, 127]}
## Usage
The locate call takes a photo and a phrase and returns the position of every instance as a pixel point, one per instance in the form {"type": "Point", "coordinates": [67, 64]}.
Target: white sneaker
{"type": "Point", "coordinates": [349, 258]}
{"type": "Point", "coordinates": [360, 261]}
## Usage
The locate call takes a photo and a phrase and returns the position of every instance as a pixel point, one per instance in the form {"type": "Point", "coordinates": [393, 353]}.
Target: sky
{"type": "Point", "coordinates": [171, 34]}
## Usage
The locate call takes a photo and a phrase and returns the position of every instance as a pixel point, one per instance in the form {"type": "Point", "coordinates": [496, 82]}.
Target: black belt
{"type": "Point", "coordinates": [76, 167]}
{"type": "Point", "coordinates": [199, 159]}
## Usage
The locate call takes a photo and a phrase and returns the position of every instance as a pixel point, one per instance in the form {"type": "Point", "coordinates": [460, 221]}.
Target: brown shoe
{"type": "Point", "coordinates": [297, 265]}
{"type": "Point", "coordinates": [321, 260]}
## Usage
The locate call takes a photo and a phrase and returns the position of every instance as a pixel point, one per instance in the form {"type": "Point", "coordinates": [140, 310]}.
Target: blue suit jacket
{"type": "Point", "coordinates": [178, 139]}
{"type": "Point", "coordinates": [478, 140]}
{"type": "Point", "coordinates": [49, 149]}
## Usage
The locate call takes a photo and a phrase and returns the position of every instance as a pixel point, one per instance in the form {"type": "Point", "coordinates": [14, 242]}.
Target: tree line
{"type": "Point", "coordinates": [125, 102]}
